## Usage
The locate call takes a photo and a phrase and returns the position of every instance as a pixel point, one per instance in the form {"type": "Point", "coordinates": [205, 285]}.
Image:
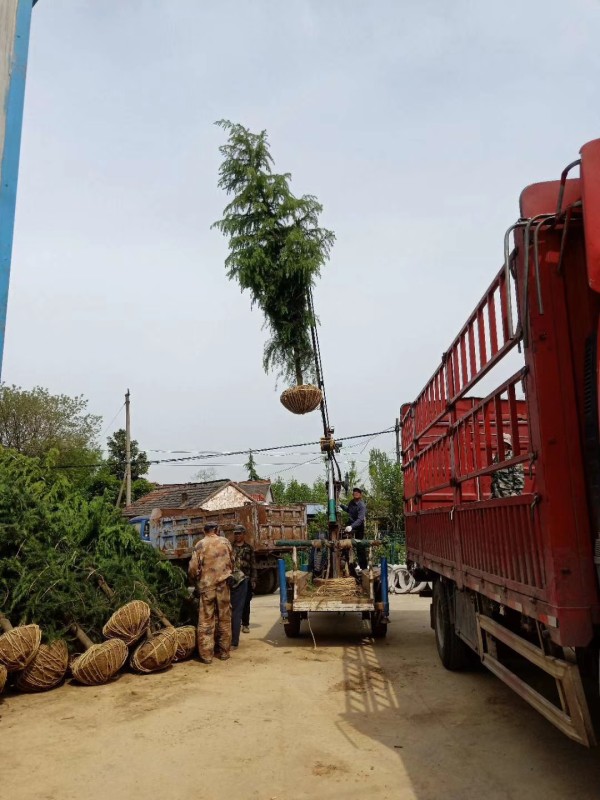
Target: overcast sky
{"type": "Point", "coordinates": [416, 124]}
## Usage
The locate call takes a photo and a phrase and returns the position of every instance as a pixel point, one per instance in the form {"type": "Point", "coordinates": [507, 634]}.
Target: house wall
{"type": "Point", "coordinates": [229, 497]}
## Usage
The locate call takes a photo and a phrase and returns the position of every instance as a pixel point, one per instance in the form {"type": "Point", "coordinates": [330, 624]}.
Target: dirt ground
{"type": "Point", "coordinates": [351, 719]}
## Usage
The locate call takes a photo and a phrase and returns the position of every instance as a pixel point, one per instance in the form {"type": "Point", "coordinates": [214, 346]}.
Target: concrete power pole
{"type": "Point", "coordinates": [398, 450]}
{"type": "Point", "coordinates": [127, 451]}
{"type": "Point", "coordinates": [15, 23]}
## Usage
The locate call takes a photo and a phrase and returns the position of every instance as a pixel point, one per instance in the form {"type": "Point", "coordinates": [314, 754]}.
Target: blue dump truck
{"type": "Point", "coordinates": [175, 531]}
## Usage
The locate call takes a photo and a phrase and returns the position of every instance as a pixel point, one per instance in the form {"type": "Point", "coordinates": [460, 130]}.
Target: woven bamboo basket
{"type": "Point", "coordinates": [128, 622]}
{"type": "Point", "coordinates": [155, 653]}
{"type": "Point", "coordinates": [100, 663]}
{"type": "Point", "coordinates": [186, 642]}
{"type": "Point", "coordinates": [3, 677]}
{"type": "Point", "coordinates": [302, 399]}
{"type": "Point", "coordinates": [19, 646]}
{"type": "Point", "coordinates": [47, 669]}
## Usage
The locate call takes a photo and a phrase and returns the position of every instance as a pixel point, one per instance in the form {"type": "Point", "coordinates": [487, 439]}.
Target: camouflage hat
{"type": "Point", "coordinates": [210, 526]}
{"type": "Point", "coordinates": [239, 529]}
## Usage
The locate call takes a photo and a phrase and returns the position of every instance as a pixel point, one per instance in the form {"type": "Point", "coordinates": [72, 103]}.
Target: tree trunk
{"type": "Point", "coordinates": [5, 624]}
{"type": "Point", "coordinates": [298, 368]}
{"type": "Point", "coordinates": [82, 636]}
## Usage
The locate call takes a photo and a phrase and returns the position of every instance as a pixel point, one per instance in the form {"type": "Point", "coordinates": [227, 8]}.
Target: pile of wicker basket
{"type": "Point", "coordinates": [30, 666]}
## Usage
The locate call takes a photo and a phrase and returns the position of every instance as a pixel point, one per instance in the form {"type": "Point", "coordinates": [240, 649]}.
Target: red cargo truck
{"type": "Point", "coordinates": [516, 577]}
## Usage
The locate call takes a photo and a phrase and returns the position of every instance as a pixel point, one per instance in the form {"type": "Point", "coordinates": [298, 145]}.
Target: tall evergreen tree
{"type": "Point", "coordinates": [276, 248]}
{"type": "Point", "coordinates": [250, 467]}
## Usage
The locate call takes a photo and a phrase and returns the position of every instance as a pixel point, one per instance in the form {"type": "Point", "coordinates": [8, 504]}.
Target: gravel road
{"type": "Point", "coordinates": [351, 719]}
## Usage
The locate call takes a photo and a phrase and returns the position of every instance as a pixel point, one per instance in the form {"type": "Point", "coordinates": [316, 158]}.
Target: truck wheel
{"type": "Point", "coordinates": [266, 581]}
{"type": "Point", "coordinates": [291, 625]}
{"type": "Point", "coordinates": [378, 625]}
{"type": "Point", "coordinates": [453, 652]}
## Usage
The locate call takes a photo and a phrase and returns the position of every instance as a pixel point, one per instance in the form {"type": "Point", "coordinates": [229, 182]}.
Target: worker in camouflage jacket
{"type": "Point", "coordinates": [244, 561]}
{"type": "Point", "coordinates": [210, 569]}
{"type": "Point", "coordinates": [508, 481]}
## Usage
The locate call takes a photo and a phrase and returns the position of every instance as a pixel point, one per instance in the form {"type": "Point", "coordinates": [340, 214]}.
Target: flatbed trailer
{"type": "Point", "coordinates": [516, 577]}
{"type": "Point", "coordinates": [370, 596]}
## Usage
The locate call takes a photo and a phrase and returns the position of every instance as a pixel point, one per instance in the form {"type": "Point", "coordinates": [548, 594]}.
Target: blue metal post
{"type": "Point", "coordinates": [282, 588]}
{"type": "Point", "coordinates": [15, 23]}
{"type": "Point", "coordinates": [385, 592]}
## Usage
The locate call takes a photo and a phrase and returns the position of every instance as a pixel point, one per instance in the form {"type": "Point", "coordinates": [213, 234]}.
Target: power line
{"type": "Point", "coordinates": [227, 453]}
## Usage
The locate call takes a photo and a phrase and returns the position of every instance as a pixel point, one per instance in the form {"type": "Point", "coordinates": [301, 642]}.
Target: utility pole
{"type": "Point", "coordinates": [398, 451]}
{"type": "Point", "coordinates": [127, 451]}
{"type": "Point", "coordinates": [15, 23]}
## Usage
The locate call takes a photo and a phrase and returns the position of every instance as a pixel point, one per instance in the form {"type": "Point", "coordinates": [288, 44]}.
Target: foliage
{"type": "Point", "coordinates": [104, 483]}
{"type": "Point", "coordinates": [35, 422]}
{"type": "Point", "coordinates": [386, 491]}
{"type": "Point", "coordinates": [292, 491]}
{"type": "Point", "coordinates": [54, 543]}
{"type": "Point", "coordinates": [250, 467]}
{"type": "Point", "coordinates": [276, 247]}
{"type": "Point", "coordinates": [117, 459]}
{"type": "Point", "coordinates": [205, 475]}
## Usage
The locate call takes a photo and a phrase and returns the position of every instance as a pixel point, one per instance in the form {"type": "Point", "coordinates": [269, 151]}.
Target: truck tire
{"type": "Point", "coordinates": [291, 625]}
{"type": "Point", "coordinates": [378, 625]}
{"type": "Point", "coordinates": [453, 652]}
{"type": "Point", "coordinates": [266, 581]}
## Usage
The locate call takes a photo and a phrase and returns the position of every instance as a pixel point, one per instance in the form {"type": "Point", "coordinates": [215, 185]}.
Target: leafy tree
{"type": "Point", "coordinates": [54, 544]}
{"type": "Point", "coordinates": [34, 422]}
{"type": "Point", "coordinates": [386, 490]}
{"type": "Point", "coordinates": [117, 461]}
{"type": "Point", "coordinates": [250, 467]}
{"type": "Point", "coordinates": [205, 475]}
{"type": "Point", "coordinates": [276, 248]}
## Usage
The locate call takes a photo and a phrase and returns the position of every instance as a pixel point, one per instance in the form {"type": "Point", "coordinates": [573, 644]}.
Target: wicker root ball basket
{"type": "Point", "coordinates": [47, 669]}
{"type": "Point", "coordinates": [3, 677]}
{"type": "Point", "coordinates": [156, 653]}
{"type": "Point", "coordinates": [19, 646]}
{"type": "Point", "coordinates": [128, 622]}
{"type": "Point", "coordinates": [186, 642]}
{"type": "Point", "coordinates": [100, 663]}
{"type": "Point", "coordinates": [302, 399]}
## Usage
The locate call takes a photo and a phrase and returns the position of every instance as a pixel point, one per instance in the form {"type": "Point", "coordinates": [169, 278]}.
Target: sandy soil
{"type": "Point", "coordinates": [280, 720]}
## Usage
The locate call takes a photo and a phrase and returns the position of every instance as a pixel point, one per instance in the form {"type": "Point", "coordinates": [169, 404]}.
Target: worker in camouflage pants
{"type": "Point", "coordinates": [210, 568]}
{"type": "Point", "coordinates": [510, 480]}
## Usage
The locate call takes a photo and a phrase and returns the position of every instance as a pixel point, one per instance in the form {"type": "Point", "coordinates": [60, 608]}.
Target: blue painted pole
{"type": "Point", "coordinates": [282, 588]}
{"type": "Point", "coordinates": [385, 591]}
{"type": "Point", "coordinates": [15, 24]}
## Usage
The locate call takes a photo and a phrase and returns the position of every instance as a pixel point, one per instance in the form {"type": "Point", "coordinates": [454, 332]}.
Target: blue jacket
{"type": "Point", "coordinates": [357, 511]}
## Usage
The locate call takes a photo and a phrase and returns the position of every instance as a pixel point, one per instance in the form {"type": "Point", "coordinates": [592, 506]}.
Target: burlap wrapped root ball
{"type": "Point", "coordinates": [156, 653]}
{"type": "Point", "coordinates": [301, 399]}
{"type": "Point", "coordinates": [46, 670]}
{"type": "Point", "coordinates": [3, 677]}
{"type": "Point", "coordinates": [19, 646]}
{"type": "Point", "coordinates": [100, 663]}
{"type": "Point", "coordinates": [128, 622]}
{"type": "Point", "coordinates": [186, 642]}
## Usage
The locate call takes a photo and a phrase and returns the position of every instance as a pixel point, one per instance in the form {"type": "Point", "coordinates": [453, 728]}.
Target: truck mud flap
{"type": "Point", "coordinates": [572, 717]}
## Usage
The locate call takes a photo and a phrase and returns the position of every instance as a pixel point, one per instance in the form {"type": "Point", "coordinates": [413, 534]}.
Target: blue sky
{"type": "Point", "coordinates": [415, 124]}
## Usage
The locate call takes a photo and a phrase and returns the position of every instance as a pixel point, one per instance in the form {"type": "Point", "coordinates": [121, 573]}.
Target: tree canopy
{"type": "Point", "coordinates": [276, 248]}
{"type": "Point", "coordinates": [117, 460]}
{"type": "Point", "coordinates": [250, 467]}
{"type": "Point", "coordinates": [54, 545]}
{"type": "Point", "coordinates": [34, 422]}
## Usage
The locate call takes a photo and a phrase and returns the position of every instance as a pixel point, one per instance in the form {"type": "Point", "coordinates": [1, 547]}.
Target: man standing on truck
{"type": "Point", "coordinates": [357, 511]}
{"type": "Point", "coordinates": [210, 568]}
{"type": "Point", "coordinates": [509, 481]}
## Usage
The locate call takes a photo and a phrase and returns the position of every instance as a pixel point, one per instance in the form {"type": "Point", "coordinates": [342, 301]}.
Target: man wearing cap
{"type": "Point", "coordinates": [243, 554]}
{"type": "Point", "coordinates": [357, 511]}
{"type": "Point", "coordinates": [508, 481]}
{"type": "Point", "coordinates": [210, 568]}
